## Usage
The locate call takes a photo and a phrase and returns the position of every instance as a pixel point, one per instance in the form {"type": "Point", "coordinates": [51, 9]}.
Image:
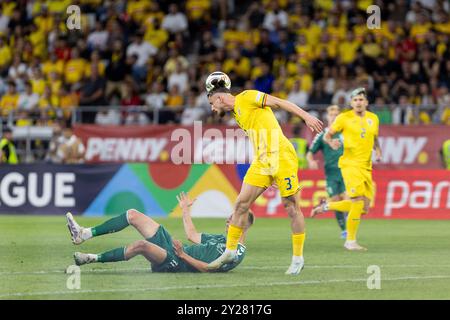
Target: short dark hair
{"type": "Point", "coordinates": [218, 90]}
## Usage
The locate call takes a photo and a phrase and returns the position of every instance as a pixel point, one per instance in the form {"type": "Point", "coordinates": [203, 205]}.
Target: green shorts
{"type": "Point", "coordinates": [172, 263]}
{"type": "Point", "coordinates": [335, 183]}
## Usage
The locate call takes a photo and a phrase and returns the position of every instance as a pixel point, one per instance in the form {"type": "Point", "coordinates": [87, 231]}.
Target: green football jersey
{"type": "Point", "coordinates": [330, 156]}
{"type": "Point", "coordinates": [211, 247]}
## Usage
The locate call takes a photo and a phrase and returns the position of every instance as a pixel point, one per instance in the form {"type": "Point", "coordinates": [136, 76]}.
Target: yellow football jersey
{"type": "Point", "coordinates": [261, 125]}
{"type": "Point", "coordinates": [358, 135]}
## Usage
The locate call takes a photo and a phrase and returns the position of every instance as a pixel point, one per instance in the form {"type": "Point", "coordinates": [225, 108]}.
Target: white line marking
{"type": "Point", "coordinates": [38, 272]}
{"type": "Point", "coordinates": [280, 283]}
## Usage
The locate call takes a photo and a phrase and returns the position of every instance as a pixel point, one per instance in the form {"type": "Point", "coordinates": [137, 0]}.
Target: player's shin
{"type": "Point", "coordinates": [233, 236]}
{"type": "Point", "coordinates": [112, 225]}
{"type": "Point", "coordinates": [298, 240]}
{"type": "Point", "coordinates": [353, 220]}
{"type": "Point", "coordinates": [114, 255]}
{"type": "Point", "coordinates": [340, 218]}
{"type": "Point", "coordinates": [343, 205]}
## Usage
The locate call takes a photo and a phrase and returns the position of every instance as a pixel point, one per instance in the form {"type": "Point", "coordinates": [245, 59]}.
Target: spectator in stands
{"type": "Point", "coordinates": [28, 101]}
{"type": "Point", "coordinates": [175, 21]}
{"type": "Point", "coordinates": [116, 71]}
{"type": "Point", "coordinates": [178, 77]}
{"type": "Point", "coordinates": [74, 67]}
{"type": "Point", "coordinates": [7, 149]}
{"type": "Point", "coordinates": [71, 149]}
{"type": "Point", "coordinates": [5, 56]}
{"type": "Point", "coordinates": [191, 112]}
{"type": "Point", "coordinates": [174, 103]}
{"type": "Point", "coordinates": [56, 140]}
{"type": "Point", "coordinates": [130, 100]}
{"type": "Point", "coordinates": [17, 70]}
{"type": "Point", "coordinates": [92, 94]}
{"type": "Point", "coordinates": [297, 95]}
{"type": "Point", "coordinates": [265, 80]}
{"type": "Point", "coordinates": [275, 17]}
{"type": "Point", "coordinates": [68, 101]}
{"type": "Point", "coordinates": [10, 101]}
{"type": "Point", "coordinates": [98, 38]}
{"type": "Point", "coordinates": [143, 50]}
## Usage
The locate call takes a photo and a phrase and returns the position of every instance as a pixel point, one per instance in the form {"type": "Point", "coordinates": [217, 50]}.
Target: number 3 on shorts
{"type": "Point", "coordinates": [289, 185]}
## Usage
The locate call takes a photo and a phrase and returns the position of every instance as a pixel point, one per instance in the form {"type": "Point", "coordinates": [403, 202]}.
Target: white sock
{"type": "Point", "coordinates": [86, 233]}
{"type": "Point", "coordinates": [350, 241]}
{"type": "Point", "coordinates": [297, 259]}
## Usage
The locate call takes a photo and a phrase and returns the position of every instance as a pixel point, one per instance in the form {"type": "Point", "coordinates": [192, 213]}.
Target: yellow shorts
{"type": "Point", "coordinates": [282, 172]}
{"type": "Point", "coordinates": [358, 182]}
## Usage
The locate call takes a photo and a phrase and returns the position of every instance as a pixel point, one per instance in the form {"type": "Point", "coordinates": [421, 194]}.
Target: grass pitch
{"type": "Point", "coordinates": [412, 256]}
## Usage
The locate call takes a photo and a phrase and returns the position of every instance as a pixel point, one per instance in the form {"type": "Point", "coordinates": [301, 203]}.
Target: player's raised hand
{"type": "Point", "coordinates": [184, 201]}
{"type": "Point", "coordinates": [313, 123]}
{"type": "Point", "coordinates": [335, 144]}
{"type": "Point", "coordinates": [313, 164]}
{"type": "Point", "coordinates": [378, 155]}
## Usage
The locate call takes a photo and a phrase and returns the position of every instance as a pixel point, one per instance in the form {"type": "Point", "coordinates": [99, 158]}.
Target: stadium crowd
{"type": "Point", "coordinates": [157, 54]}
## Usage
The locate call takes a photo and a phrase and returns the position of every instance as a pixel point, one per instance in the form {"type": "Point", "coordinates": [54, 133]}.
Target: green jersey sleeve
{"type": "Point", "coordinates": [317, 143]}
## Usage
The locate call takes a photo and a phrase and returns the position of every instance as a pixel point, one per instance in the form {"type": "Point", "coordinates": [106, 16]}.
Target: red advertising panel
{"type": "Point", "coordinates": [404, 147]}
{"type": "Point", "coordinates": [399, 194]}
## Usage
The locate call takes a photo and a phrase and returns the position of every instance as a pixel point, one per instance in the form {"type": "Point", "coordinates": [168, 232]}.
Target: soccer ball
{"type": "Point", "coordinates": [215, 79]}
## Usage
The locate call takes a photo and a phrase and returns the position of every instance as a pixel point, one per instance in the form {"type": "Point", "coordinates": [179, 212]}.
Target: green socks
{"type": "Point", "coordinates": [340, 217]}
{"type": "Point", "coordinates": [112, 225]}
{"type": "Point", "coordinates": [113, 255]}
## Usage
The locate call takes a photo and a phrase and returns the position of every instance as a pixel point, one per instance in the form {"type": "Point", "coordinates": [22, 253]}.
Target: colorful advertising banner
{"type": "Point", "coordinates": [105, 189]}
{"type": "Point", "coordinates": [403, 147]}
{"type": "Point", "coordinates": [420, 194]}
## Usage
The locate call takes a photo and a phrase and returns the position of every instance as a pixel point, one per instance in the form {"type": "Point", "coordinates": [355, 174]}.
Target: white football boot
{"type": "Point", "coordinates": [297, 265]}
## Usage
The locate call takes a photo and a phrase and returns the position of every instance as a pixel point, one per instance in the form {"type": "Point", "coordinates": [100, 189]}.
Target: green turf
{"type": "Point", "coordinates": [413, 257]}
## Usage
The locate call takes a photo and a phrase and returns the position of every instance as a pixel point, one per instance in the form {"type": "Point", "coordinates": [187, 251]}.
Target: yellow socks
{"type": "Point", "coordinates": [233, 236]}
{"type": "Point", "coordinates": [298, 239]}
{"type": "Point", "coordinates": [343, 205]}
{"type": "Point", "coordinates": [353, 219]}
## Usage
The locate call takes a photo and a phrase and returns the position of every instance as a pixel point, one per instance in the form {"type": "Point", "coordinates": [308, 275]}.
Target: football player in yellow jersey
{"type": "Point", "coordinates": [359, 129]}
{"type": "Point", "coordinates": [274, 161]}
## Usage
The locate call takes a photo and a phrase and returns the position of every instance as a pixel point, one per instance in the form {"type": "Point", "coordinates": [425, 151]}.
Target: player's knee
{"type": "Point", "coordinates": [140, 246]}
{"type": "Point", "coordinates": [290, 205]}
{"type": "Point", "coordinates": [242, 206]}
{"type": "Point", "coordinates": [132, 216]}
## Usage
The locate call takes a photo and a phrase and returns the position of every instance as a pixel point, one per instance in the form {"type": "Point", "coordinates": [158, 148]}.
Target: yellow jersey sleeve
{"type": "Point", "coordinates": [377, 124]}
{"type": "Point", "coordinates": [254, 98]}
{"type": "Point", "coordinates": [338, 123]}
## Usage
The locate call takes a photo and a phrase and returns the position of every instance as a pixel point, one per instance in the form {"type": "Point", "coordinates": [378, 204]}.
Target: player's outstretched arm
{"type": "Point", "coordinates": [197, 264]}
{"type": "Point", "coordinates": [312, 122]}
{"type": "Point", "coordinates": [377, 148]}
{"type": "Point", "coordinates": [312, 163]}
{"type": "Point", "coordinates": [333, 143]}
{"type": "Point", "coordinates": [189, 228]}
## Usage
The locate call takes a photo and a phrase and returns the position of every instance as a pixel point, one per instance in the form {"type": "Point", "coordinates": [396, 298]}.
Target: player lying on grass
{"type": "Point", "coordinates": [163, 252]}
{"type": "Point", "coordinates": [274, 161]}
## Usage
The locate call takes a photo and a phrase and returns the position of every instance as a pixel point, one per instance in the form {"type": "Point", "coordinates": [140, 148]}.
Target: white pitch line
{"type": "Point", "coordinates": [281, 283]}
{"type": "Point", "coordinates": [39, 272]}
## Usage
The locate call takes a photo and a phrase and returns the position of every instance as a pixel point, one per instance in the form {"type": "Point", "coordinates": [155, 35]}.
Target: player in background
{"type": "Point", "coordinates": [359, 129]}
{"type": "Point", "coordinates": [274, 161]}
{"type": "Point", "coordinates": [164, 253]}
{"type": "Point", "coordinates": [333, 176]}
